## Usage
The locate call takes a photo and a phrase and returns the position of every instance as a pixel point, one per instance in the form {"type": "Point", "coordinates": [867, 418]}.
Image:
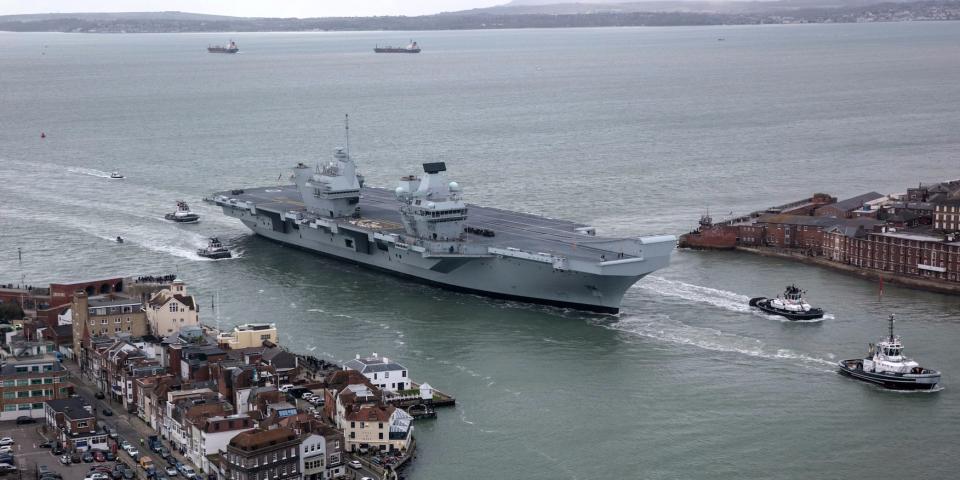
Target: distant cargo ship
{"type": "Point", "coordinates": [411, 48]}
{"type": "Point", "coordinates": [230, 48]}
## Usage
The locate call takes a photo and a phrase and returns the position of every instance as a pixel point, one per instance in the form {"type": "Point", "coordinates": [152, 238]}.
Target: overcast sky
{"type": "Point", "coordinates": [250, 8]}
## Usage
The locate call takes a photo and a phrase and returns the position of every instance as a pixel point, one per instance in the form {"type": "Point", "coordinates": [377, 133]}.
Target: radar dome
{"type": "Point", "coordinates": [454, 187]}
{"type": "Point", "coordinates": [400, 191]}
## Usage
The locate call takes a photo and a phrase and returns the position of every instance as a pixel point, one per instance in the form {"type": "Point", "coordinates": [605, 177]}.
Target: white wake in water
{"type": "Point", "coordinates": [732, 301]}
{"type": "Point", "coordinates": [663, 328]}
{"type": "Point", "coordinates": [89, 171]}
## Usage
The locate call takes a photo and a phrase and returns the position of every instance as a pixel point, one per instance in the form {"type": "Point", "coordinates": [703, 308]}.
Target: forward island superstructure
{"type": "Point", "coordinates": [424, 230]}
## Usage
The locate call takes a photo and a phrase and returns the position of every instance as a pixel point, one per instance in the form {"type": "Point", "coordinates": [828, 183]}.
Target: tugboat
{"type": "Point", "coordinates": [115, 175]}
{"type": "Point", "coordinates": [412, 47]}
{"type": "Point", "coordinates": [214, 250]}
{"type": "Point", "coordinates": [230, 48]}
{"type": "Point", "coordinates": [886, 366]}
{"type": "Point", "coordinates": [790, 305]}
{"type": "Point", "coordinates": [183, 214]}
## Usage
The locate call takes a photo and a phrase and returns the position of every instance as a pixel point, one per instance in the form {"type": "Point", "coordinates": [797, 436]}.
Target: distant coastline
{"type": "Point", "coordinates": [667, 14]}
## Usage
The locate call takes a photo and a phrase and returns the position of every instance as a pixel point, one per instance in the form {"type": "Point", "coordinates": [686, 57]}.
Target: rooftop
{"type": "Point", "coordinates": [372, 364]}
{"type": "Point", "coordinates": [799, 220]}
{"type": "Point", "coordinates": [258, 439]}
{"type": "Point", "coordinates": [112, 300]}
{"type": "Point", "coordinates": [855, 202]}
{"type": "Point", "coordinates": [71, 407]}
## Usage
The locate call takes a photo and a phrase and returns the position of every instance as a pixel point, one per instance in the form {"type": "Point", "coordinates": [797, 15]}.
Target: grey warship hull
{"type": "Point", "coordinates": [510, 255]}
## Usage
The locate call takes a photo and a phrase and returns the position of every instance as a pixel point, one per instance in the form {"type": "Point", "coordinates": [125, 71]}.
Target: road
{"type": "Point", "coordinates": [129, 427]}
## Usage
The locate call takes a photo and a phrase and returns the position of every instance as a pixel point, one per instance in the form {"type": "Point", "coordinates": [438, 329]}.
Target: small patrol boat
{"type": "Point", "coordinates": [119, 239]}
{"type": "Point", "coordinates": [182, 214]}
{"type": "Point", "coordinates": [115, 174]}
{"type": "Point", "coordinates": [886, 366]}
{"type": "Point", "coordinates": [791, 305]}
{"type": "Point", "coordinates": [214, 250]}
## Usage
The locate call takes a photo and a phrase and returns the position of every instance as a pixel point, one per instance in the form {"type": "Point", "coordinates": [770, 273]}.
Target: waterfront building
{"type": "Point", "coordinates": [171, 309]}
{"type": "Point", "coordinates": [273, 454]}
{"type": "Point", "coordinates": [946, 216]}
{"type": "Point", "coordinates": [376, 426]}
{"type": "Point", "coordinates": [249, 335]}
{"type": "Point", "coordinates": [27, 382]}
{"type": "Point", "coordinates": [74, 424]}
{"type": "Point", "coordinates": [384, 374]}
{"type": "Point", "coordinates": [907, 254]}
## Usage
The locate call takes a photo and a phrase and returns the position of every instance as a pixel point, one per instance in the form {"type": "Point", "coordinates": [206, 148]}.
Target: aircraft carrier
{"type": "Point", "coordinates": [423, 230]}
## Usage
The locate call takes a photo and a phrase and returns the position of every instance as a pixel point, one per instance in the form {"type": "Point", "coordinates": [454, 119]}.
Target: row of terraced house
{"type": "Point", "coordinates": [234, 403]}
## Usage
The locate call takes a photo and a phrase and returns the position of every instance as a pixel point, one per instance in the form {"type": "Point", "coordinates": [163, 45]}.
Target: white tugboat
{"type": "Point", "coordinates": [182, 214]}
{"type": "Point", "coordinates": [791, 305]}
{"type": "Point", "coordinates": [886, 366]}
{"type": "Point", "coordinates": [115, 175]}
{"type": "Point", "coordinates": [214, 250]}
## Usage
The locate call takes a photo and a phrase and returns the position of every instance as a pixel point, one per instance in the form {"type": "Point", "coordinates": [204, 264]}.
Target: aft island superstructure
{"type": "Point", "coordinates": [424, 230]}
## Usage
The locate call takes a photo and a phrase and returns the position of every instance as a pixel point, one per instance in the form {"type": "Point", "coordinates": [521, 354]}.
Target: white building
{"type": "Point", "coordinates": [321, 454]}
{"type": "Point", "coordinates": [170, 309]}
{"type": "Point", "coordinates": [386, 375]}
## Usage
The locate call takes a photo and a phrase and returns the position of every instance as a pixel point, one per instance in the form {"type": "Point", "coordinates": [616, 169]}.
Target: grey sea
{"type": "Point", "coordinates": [634, 130]}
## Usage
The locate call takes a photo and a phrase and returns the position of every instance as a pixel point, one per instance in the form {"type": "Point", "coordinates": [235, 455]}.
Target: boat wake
{"type": "Point", "coordinates": [663, 328]}
{"type": "Point", "coordinates": [724, 299]}
{"type": "Point", "coordinates": [89, 171]}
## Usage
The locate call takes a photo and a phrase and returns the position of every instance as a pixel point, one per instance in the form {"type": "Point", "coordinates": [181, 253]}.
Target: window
{"type": "Point", "coordinates": [21, 369]}
{"type": "Point", "coordinates": [103, 321]}
{"type": "Point", "coordinates": [9, 408]}
{"type": "Point", "coordinates": [9, 383]}
{"type": "Point", "coordinates": [23, 394]}
{"type": "Point", "coordinates": [81, 424]}
{"type": "Point", "coordinates": [48, 380]}
{"type": "Point", "coordinates": [173, 307]}
{"type": "Point", "coordinates": [117, 320]}
{"type": "Point", "coordinates": [9, 394]}
{"type": "Point", "coordinates": [23, 406]}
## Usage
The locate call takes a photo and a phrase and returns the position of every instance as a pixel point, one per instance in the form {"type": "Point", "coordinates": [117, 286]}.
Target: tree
{"type": "Point", "coordinates": [10, 311]}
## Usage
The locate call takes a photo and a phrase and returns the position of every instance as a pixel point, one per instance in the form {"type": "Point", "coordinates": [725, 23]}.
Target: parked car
{"type": "Point", "coordinates": [172, 472]}
{"type": "Point", "coordinates": [134, 453]}
{"type": "Point", "coordinates": [97, 476]}
{"type": "Point", "coordinates": [6, 467]}
{"type": "Point", "coordinates": [87, 457]}
{"type": "Point", "coordinates": [75, 457]}
{"type": "Point", "coordinates": [65, 459]}
{"type": "Point", "coordinates": [7, 458]}
{"type": "Point", "coordinates": [107, 412]}
{"type": "Point", "coordinates": [99, 395]}
{"type": "Point", "coordinates": [57, 449]}
{"type": "Point", "coordinates": [355, 464]}
{"type": "Point", "coordinates": [6, 449]}
{"type": "Point", "coordinates": [110, 456]}
{"type": "Point", "coordinates": [187, 471]}
{"type": "Point", "coordinates": [25, 420]}
{"type": "Point", "coordinates": [6, 441]}
{"type": "Point", "coordinates": [47, 444]}
{"type": "Point", "coordinates": [99, 456]}
{"type": "Point", "coordinates": [285, 387]}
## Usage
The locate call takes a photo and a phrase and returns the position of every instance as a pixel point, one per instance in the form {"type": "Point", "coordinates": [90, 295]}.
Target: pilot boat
{"type": "Point", "coordinates": [886, 366]}
{"type": "Point", "coordinates": [214, 250]}
{"type": "Point", "coordinates": [115, 175]}
{"type": "Point", "coordinates": [182, 214]}
{"type": "Point", "coordinates": [791, 305]}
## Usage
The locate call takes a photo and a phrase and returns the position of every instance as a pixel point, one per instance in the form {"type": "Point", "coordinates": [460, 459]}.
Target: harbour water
{"type": "Point", "coordinates": [636, 131]}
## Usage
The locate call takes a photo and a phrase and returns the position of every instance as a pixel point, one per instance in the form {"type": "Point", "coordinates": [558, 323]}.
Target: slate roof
{"type": "Point", "coordinates": [854, 203]}
{"type": "Point", "coordinates": [804, 220]}
{"type": "Point", "coordinates": [371, 365]}
{"type": "Point", "coordinates": [257, 439]}
{"type": "Point", "coordinates": [71, 407]}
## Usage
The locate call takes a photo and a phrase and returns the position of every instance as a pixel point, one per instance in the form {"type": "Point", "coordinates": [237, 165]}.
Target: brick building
{"type": "Point", "coordinates": [26, 383]}
{"type": "Point", "coordinates": [262, 454]}
{"type": "Point", "coordinates": [846, 208]}
{"type": "Point", "coordinates": [946, 215]}
{"type": "Point", "coordinates": [105, 316]}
